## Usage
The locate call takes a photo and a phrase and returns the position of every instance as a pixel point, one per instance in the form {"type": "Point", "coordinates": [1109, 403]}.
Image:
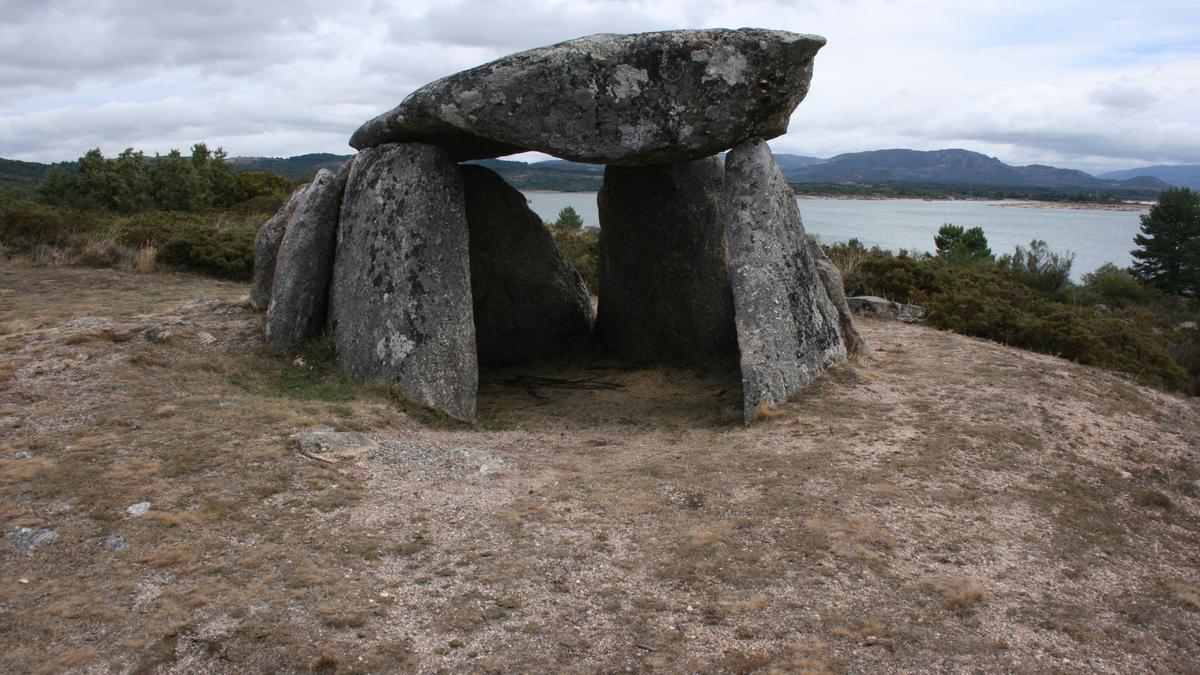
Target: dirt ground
{"type": "Point", "coordinates": [947, 504]}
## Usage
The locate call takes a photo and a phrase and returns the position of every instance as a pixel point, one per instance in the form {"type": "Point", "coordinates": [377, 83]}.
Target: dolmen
{"type": "Point", "coordinates": [422, 267]}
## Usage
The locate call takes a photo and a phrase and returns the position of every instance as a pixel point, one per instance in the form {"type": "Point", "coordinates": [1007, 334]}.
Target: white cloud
{"type": "Point", "coordinates": [1094, 85]}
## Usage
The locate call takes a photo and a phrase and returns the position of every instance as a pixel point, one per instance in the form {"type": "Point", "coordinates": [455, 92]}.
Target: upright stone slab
{"type": "Point", "coordinates": [304, 265]}
{"type": "Point", "coordinates": [787, 327]}
{"type": "Point", "coordinates": [664, 275]}
{"type": "Point", "coordinates": [831, 279]}
{"type": "Point", "coordinates": [266, 248]}
{"type": "Point", "coordinates": [529, 302]}
{"type": "Point", "coordinates": [401, 296]}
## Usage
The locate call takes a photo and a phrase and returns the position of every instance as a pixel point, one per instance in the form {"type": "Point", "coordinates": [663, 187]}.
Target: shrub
{"type": "Point", "coordinates": [986, 301]}
{"type": "Point", "coordinates": [581, 247]}
{"type": "Point", "coordinates": [26, 224]}
{"type": "Point", "coordinates": [227, 253]}
{"type": "Point", "coordinates": [1115, 287]}
{"type": "Point", "coordinates": [150, 228]}
{"type": "Point", "coordinates": [1040, 268]}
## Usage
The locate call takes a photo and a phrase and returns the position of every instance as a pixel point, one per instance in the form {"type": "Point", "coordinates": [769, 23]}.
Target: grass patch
{"type": "Point", "coordinates": [310, 374]}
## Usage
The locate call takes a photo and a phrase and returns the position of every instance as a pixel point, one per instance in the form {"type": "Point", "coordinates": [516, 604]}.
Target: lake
{"type": "Point", "coordinates": [1096, 236]}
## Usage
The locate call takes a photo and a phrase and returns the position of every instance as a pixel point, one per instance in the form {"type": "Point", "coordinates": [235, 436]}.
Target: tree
{"type": "Point", "coordinates": [1168, 253]}
{"type": "Point", "coordinates": [959, 245]}
{"type": "Point", "coordinates": [568, 219]}
{"type": "Point", "coordinates": [178, 186]}
{"type": "Point", "coordinates": [1040, 268]}
{"type": "Point", "coordinates": [136, 182]}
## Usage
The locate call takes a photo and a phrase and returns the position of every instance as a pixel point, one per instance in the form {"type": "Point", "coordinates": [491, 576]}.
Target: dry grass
{"type": "Point", "coordinates": [948, 504]}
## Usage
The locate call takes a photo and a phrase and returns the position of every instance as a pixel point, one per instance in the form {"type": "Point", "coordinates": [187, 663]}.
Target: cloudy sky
{"type": "Point", "coordinates": [1088, 84]}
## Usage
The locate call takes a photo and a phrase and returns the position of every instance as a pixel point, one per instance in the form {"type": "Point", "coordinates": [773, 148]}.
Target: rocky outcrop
{"type": "Point", "coordinates": [831, 279]}
{"type": "Point", "coordinates": [401, 300]}
{"type": "Point", "coordinates": [528, 301]}
{"type": "Point", "coordinates": [881, 308]}
{"type": "Point", "coordinates": [304, 265]}
{"type": "Point", "coordinates": [648, 98]}
{"type": "Point", "coordinates": [664, 271]}
{"type": "Point", "coordinates": [266, 247]}
{"type": "Point", "coordinates": [787, 328]}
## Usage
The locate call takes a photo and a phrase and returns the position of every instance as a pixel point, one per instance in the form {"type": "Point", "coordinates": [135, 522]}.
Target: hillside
{"type": "Point", "coordinates": [22, 175]}
{"type": "Point", "coordinates": [947, 504]}
{"type": "Point", "coordinates": [1183, 175]}
{"type": "Point", "coordinates": [292, 168]}
{"type": "Point", "coordinates": [948, 166]}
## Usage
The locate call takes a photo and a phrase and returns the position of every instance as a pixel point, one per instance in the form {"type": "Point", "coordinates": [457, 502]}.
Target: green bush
{"type": "Point", "coordinates": [986, 301]}
{"type": "Point", "coordinates": [1115, 287]}
{"type": "Point", "coordinates": [150, 228]}
{"type": "Point", "coordinates": [226, 253]}
{"type": "Point", "coordinates": [26, 223]}
{"type": "Point", "coordinates": [581, 247]}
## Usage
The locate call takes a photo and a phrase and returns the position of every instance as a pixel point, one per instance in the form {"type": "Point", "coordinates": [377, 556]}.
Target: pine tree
{"type": "Point", "coordinates": [569, 219]}
{"type": "Point", "coordinates": [1168, 253]}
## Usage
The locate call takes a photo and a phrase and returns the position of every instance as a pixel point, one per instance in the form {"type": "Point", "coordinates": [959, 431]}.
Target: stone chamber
{"type": "Point", "coordinates": [421, 266]}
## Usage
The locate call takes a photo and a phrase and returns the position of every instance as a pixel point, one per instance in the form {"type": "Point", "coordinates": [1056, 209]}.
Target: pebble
{"type": "Point", "coordinates": [21, 454]}
{"type": "Point", "coordinates": [26, 539]}
{"type": "Point", "coordinates": [116, 543]}
{"type": "Point", "coordinates": [139, 509]}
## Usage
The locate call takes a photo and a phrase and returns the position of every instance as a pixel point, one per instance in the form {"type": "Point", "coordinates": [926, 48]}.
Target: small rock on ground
{"type": "Point", "coordinates": [26, 539]}
{"type": "Point", "coordinates": [116, 543]}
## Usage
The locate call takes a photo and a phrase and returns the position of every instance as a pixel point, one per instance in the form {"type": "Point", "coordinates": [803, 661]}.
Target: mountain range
{"type": "Point", "coordinates": [898, 166]}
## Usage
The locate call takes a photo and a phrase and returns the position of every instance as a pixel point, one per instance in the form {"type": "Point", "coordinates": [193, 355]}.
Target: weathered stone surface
{"type": "Point", "coordinates": [831, 279]}
{"type": "Point", "coordinates": [881, 308]}
{"type": "Point", "coordinates": [333, 446]}
{"type": "Point", "coordinates": [304, 265]}
{"type": "Point", "coordinates": [26, 539]}
{"type": "Point", "coordinates": [266, 248]}
{"type": "Point", "coordinates": [529, 301]}
{"type": "Point", "coordinates": [400, 303]}
{"type": "Point", "coordinates": [664, 268]}
{"type": "Point", "coordinates": [787, 327]}
{"type": "Point", "coordinates": [642, 99]}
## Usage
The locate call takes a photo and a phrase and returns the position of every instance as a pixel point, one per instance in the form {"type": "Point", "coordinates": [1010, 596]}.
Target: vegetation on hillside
{"type": "Point", "coordinates": [1026, 299]}
{"type": "Point", "coordinates": [185, 212]}
{"type": "Point", "coordinates": [579, 245]}
{"type": "Point", "coordinates": [894, 190]}
{"type": "Point", "coordinates": [194, 212]}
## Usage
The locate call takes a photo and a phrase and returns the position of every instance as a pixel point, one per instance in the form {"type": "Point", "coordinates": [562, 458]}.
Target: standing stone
{"type": "Point", "coordinates": [266, 248]}
{"type": "Point", "coordinates": [635, 100]}
{"type": "Point", "coordinates": [401, 296]}
{"type": "Point", "coordinates": [529, 301]}
{"type": "Point", "coordinates": [787, 327]}
{"type": "Point", "coordinates": [831, 279]}
{"type": "Point", "coordinates": [304, 265]}
{"type": "Point", "coordinates": [664, 271]}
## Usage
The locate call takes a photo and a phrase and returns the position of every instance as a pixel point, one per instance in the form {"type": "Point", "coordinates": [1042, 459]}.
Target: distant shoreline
{"type": "Point", "coordinates": [1005, 203]}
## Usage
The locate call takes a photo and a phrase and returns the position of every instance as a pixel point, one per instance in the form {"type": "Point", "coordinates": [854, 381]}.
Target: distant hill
{"type": "Point", "coordinates": [961, 167]}
{"type": "Point", "coordinates": [1180, 175]}
{"type": "Point", "coordinates": [851, 171]}
{"type": "Point", "coordinates": [792, 162]}
{"type": "Point", "coordinates": [23, 175]}
{"type": "Point", "coordinates": [292, 168]}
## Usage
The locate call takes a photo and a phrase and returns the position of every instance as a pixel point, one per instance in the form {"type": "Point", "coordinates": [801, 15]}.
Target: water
{"type": "Point", "coordinates": [1096, 236]}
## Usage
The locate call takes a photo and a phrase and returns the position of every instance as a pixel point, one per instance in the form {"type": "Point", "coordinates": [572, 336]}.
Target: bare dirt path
{"type": "Point", "coordinates": [947, 504]}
